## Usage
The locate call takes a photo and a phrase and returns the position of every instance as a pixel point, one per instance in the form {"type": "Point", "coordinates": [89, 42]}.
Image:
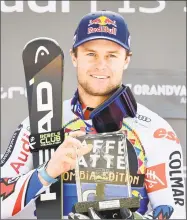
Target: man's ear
{"type": "Point", "coordinates": [127, 61]}
{"type": "Point", "coordinates": [73, 58]}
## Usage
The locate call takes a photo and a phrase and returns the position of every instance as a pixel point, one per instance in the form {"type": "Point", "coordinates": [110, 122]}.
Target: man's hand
{"type": "Point", "coordinates": [64, 158]}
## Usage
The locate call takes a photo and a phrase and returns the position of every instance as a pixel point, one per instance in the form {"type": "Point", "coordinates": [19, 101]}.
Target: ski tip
{"type": "Point", "coordinates": [41, 38]}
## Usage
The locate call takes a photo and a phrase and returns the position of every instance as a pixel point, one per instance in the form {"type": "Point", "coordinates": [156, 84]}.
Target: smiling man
{"type": "Point", "coordinates": [100, 53]}
{"type": "Point", "coordinates": [100, 65]}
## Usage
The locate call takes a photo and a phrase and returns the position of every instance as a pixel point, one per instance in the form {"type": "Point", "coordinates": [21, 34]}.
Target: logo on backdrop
{"type": "Point", "coordinates": [65, 6]}
{"type": "Point", "coordinates": [160, 90]}
{"type": "Point", "coordinates": [13, 92]}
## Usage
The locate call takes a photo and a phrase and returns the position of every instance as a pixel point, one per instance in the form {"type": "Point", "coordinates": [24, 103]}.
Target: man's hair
{"type": "Point", "coordinates": [75, 51]}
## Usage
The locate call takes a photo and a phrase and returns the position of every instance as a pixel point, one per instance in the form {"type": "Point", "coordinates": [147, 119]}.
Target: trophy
{"type": "Point", "coordinates": [102, 175]}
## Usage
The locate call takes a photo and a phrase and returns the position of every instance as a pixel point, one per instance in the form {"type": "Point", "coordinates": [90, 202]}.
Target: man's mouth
{"type": "Point", "coordinates": [100, 77]}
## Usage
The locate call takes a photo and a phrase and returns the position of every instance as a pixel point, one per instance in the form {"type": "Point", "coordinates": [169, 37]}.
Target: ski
{"type": "Point", "coordinates": [43, 62]}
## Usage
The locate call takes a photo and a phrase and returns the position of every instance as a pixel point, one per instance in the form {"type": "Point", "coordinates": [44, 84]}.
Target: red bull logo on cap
{"type": "Point", "coordinates": [103, 23]}
{"type": "Point", "coordinates": [102, 20]}
{"type": "Point", "coordinates": [100, 29]}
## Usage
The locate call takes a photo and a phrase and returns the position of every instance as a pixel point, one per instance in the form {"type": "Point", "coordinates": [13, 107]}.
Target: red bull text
{"type": "Point", "coordinates": [105, 29]}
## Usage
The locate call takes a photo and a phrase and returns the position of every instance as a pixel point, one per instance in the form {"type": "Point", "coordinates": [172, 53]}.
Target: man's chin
{"type": "Point", "coordinates": [99, 92]}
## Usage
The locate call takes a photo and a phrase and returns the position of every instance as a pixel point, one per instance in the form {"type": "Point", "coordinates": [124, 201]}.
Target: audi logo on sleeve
{"type": "Point", "coordinates": [143, 118]}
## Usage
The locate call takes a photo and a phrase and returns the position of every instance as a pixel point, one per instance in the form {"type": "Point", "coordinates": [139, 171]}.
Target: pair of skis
{"type": "Point", "coordinates": [43, 62]}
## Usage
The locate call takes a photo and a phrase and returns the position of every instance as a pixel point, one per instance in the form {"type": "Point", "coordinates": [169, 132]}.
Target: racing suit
{"type": "Point", "coordinates": [155, 158]}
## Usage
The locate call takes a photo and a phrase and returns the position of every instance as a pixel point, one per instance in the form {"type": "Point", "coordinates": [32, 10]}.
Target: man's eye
{"type": "Point", "coordinates": [91, 54]}
{"type": "Point", "coordinates": [112, 55]}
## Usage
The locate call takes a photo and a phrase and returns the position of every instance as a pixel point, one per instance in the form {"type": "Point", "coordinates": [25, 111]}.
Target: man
{"type": "Point", "coordinates": [100, 54]}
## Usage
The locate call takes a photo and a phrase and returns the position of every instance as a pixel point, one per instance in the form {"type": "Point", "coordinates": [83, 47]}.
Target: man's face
{"type": "Point", "coordinates": [100, 65]}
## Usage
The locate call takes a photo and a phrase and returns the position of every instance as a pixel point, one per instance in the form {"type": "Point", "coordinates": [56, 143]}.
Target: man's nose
{"type": "Point", "coordinates": [101, 63]}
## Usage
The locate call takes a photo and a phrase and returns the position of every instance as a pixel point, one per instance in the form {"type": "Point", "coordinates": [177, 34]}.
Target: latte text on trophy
{"type": "Point", "coordinates": [103, 176]}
